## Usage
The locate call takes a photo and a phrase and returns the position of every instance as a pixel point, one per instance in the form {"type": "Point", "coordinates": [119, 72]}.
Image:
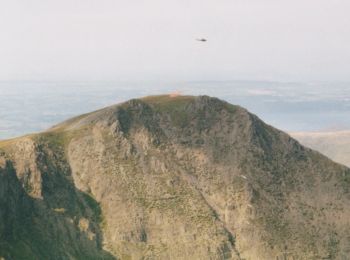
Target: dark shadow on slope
{"type": "Point", "coordinates": [65, 224]}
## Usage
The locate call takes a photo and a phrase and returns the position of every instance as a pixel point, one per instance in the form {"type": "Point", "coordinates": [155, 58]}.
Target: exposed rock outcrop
{"type": "Point", "coordinates": [170, 178]}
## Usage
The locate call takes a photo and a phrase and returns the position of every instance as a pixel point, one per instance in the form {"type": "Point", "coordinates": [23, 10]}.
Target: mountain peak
{"type": "Point", "coordinates": [171, 177]}
{"type": "Point", "coordinates": [177, 106]}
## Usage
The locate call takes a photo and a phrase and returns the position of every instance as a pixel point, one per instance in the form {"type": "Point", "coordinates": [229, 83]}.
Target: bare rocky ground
{"type": "Point", "coordinates": [170, 178]}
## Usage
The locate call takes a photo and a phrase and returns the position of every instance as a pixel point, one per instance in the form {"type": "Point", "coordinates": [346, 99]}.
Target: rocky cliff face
{"type": "Point", "coordinates": [170, 178]}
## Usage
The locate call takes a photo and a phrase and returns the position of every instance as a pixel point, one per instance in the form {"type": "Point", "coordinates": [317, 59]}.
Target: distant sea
{"type": "Point", "coordinates": [32, 106]}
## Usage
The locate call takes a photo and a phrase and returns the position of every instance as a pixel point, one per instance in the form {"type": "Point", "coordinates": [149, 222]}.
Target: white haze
{"type": "Point", "coordinates": [155, 40]}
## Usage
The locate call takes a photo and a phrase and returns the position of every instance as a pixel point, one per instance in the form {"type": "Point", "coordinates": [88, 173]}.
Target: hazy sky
{"type": "Point", "coordinates": [155, 40]}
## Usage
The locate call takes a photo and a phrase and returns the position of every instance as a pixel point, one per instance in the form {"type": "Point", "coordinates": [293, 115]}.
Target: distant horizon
{"type": "Point", "coordinates": [33, 106]}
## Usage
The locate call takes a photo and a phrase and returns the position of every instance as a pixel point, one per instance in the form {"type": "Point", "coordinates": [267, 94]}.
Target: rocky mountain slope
{"type": "Point", "coordinates": [335, 145]}
{"type": "Point", "coordinates": [170, 178]}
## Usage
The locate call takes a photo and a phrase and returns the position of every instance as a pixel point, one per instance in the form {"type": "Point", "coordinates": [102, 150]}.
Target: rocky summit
{"type": "Point", "coordinates": [170, 177]}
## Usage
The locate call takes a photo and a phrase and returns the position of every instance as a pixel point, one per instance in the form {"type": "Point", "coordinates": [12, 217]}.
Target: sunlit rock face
{"type": "Point", "coordinates": [170, 177]}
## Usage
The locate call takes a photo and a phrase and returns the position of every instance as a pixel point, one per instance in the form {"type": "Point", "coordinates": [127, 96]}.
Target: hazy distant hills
{"type": "Point", "coordinates": [336, 145]}
{"type": "Point", "coordinates": [170, 177]}
{"type": "Point", "coordinates": [27, 107]}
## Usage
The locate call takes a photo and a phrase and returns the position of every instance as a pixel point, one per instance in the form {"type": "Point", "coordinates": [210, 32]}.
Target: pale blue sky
{"type": "Point", "coordinates": [299, 40]}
